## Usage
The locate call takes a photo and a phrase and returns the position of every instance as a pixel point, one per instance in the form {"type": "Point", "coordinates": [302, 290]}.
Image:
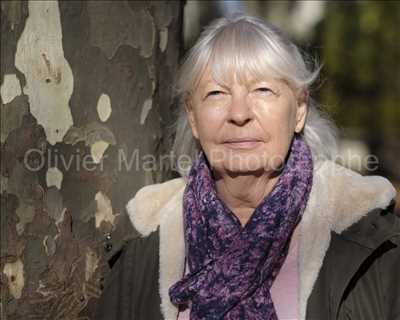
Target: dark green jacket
{"type": "Point", "coordinates": [350, 272]}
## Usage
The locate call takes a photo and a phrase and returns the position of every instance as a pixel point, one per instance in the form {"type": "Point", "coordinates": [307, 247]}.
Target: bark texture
{"type": "Point", "coordinates": [86, 100]}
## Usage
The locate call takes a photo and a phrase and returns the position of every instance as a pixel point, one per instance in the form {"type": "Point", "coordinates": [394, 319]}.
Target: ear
{"type": "Point", "coordinates": [191, 117]}
{"type": "Point", "coordinates": [301, 113]}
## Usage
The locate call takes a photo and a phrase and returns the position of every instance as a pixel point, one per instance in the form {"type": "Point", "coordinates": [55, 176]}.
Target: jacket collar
{"type": "Point", "coordinates": [339, 198]}
{"type": "Point", "coordinates": [376, 228]}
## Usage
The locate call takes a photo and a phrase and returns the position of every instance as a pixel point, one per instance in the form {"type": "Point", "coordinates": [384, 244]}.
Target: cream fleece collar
{"type": "Point", "coordinates": [339, 198]}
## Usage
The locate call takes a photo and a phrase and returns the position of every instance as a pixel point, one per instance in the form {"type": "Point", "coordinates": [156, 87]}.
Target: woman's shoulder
{"type": "Point", "coordinates": [343, 197]}
{"type": "Point", "coordinates": [151, 202]}
{"type": "Point", "coordinates": [132, 283]}
{"type": "Point", "coordinates": [364, 259]}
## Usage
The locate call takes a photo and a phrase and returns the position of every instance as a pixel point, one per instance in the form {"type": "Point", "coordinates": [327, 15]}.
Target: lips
{"type": "Point", "coordinates": [242, 143]}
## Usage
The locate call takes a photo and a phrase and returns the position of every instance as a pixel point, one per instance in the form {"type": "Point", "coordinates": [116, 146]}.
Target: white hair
{"type": "Point", "coordinates": [250, 46]}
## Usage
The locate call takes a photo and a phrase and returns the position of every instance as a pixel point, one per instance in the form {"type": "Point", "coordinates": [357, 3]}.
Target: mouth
{"type": "Point", "coordinates": [242, 143]}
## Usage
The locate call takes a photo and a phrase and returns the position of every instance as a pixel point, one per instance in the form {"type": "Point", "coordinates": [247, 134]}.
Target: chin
{"type": "Point", "coordinates": [242, 164]}
{"type": "Point", "coordinates": [247, 162]}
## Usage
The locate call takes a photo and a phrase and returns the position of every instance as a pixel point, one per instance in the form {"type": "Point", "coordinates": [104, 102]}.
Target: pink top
{"type": "Point", "coordinates": [284, 289]}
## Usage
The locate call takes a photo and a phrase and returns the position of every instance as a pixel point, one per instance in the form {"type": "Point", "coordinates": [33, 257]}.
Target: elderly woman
{"type": "Point", "coordinates": [263, 224]}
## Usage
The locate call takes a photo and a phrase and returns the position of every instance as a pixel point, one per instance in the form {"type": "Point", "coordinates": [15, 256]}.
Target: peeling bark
{"type": "Point", "coordinates": [49, 80]}
{"type": "Point", "coordinates": [85, 94]}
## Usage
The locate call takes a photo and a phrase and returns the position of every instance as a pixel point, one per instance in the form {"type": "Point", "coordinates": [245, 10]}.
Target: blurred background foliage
{"type": "Point", "coordinates": [358, 44]}
{"type": "Point", "coordinates": [360, 49]}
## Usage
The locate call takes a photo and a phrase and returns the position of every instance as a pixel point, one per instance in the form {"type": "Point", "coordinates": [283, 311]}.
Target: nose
{"type": "Point", "coordinates": [239, 112]}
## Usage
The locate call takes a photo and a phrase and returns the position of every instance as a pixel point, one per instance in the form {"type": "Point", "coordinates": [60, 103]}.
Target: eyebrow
{"type": "Point", "coordinates": [268, 82]}
{"type": "Point", "coordinates": [211, 82]}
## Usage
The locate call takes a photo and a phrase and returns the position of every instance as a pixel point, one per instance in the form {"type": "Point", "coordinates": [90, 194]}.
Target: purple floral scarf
{"type": "Point", "coordinates": [232, 268]}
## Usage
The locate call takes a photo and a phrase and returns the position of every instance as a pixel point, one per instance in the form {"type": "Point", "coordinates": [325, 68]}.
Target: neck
{"type": "Point", "coordinates": [242, 193]}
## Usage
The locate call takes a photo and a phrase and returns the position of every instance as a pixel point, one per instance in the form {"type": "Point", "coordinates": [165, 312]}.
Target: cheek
{"type": "Point", "coordinates": [278, 123]}
{"type": "Point", "coordinates": [209, 122]}
{"type": "Point", "coordinates": [278, 120]}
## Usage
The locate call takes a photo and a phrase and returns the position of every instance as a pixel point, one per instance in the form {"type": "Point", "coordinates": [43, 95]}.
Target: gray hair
{"type": "Point", "coordinates": [249, 45]}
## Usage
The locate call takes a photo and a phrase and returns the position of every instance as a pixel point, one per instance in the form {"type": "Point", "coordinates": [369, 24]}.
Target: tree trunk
{"type": "Point", "coordinates": [86, 99]}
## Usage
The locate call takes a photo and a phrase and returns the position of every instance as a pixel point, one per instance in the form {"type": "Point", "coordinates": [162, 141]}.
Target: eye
{"type": "Point", "coordinates": [214, 93]}
{"type": "Point", "coordinates": [264, 90]}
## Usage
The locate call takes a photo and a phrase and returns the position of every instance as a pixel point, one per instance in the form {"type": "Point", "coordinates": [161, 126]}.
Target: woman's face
{"type": "Point", "coordinates": [245, 127]}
